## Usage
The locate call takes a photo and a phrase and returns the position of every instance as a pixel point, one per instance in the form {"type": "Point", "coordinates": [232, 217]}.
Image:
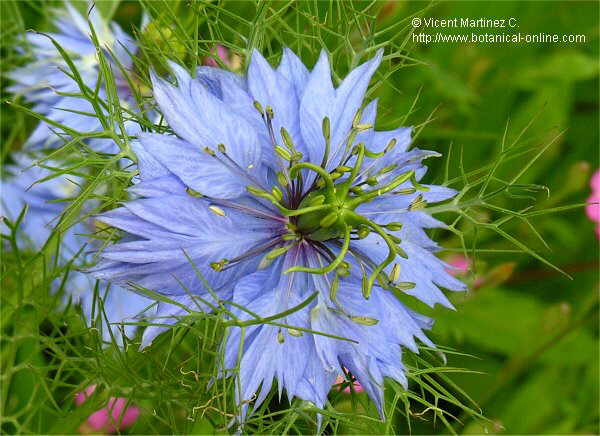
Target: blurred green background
{"type": "Point", "coordinates": [530, 331]}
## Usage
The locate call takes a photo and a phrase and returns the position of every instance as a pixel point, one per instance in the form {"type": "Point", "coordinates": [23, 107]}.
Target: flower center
{"type": "Point", "coordinates": [324, 216]}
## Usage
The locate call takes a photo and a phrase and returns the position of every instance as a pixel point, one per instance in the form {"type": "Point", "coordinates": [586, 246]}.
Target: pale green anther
{"type": "Point", "coordinates": [357, 190]}
{"type": "Point", "coordinates": [363, 232]}
{"type": "Point", "coordinates": [326, 128]}
{"type": "Point", "coordinates": [335, 175]}
{"type": "Point", "coordinates": [277, 193]}
{"type": "Point", "coordinates": [405, 191]}
{"type": "Point", "coordinates": [295, 333]}
{"type": "Point", "coordinates": [217, 210]}
{"type": "Point", "coordinates": [400, 251]}
{"type": "Point", "coordinates": [390, 145]}
{"type": "Point", "coordinates": [418, 203]}
{"type": "Point", "coordinates": [364, 320]}
{"type": "Point", "coordinates": [364, 285]}
{"type": "Point", "coordinates": [209, 151]}
{"type": "Point", "coordinates": [362, 127]}
{"type": "Point", "coordinates": [269, 112]}
{"type": "Point", "coordinates": [351, 138]}
{"type": "Point", "coordinates": [394, 238]}
{"type": "Point", "coordinates": [335, 285]}
{"type": "Point", "coordinates": [342, 271]}
{"type": "Point", "coordinates": [328, 220]}
{"type": "Point", "coordinates": [404, 286]}
{"type": "Point", "coordinates": [281, 179]}
{"type": "Point", "coordinates": [357, 117]}
{"type": "Point", "coordinates": [287, 139]}
{"type": "Point", "coordinates": [289, 237]}
{"type": "Point", "coordinates": [193, 193]}
{"type": "Point", "coordinates": [264, 263]}
{"type": "Point", "coordinates": [317, 200]}
{"type": "Point", "coordinates": [275, 253]}
{"type": "Point", "coordinates": [258, 107]}
{"type": "Point", "coordinates": [218, 266]}
{"type": "Point", "coordinates": [372, 181]}
{"type": "Point", "coordinates": [394, 226]}
{"type": "Point", "coordinates": [343, 169]}
{"type": "Point", "coordinates": [389, 168]}
{"type": "Point", "coordinates": [280, 337]}
{"type": "Point", "coordinates": [297, 156]}
{"type": "Point", "coordinates": [256, 191]}
{"type": "Point", "coordinates": [221, 148]}
{"type": "Point", "coordinates": [283, 153]}
{"type": "Point", "coordinates": [260, 193]}
{"type": "Point", "coordinates": [395, 273]}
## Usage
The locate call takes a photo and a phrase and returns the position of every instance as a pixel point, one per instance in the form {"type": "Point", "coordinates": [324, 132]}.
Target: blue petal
{"type": "Point", "coordinates": [213, 176]}
{"type": "Point", "coordinates": [200, 118]}
{"type": "Point", "coordinates": [316, 104]}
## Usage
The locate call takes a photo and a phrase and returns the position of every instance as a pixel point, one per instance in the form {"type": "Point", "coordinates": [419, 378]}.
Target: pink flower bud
{"type": "Point", "coordinates": [221, 52]}
{"type": "Point", "coordinates": [459, 263]}
{"type": "Point", "coordinates": [114, 414]}
{"type": "Point", "coordinates": [80, 397]}
{"type": "Point", "coordinates": [106, 420]}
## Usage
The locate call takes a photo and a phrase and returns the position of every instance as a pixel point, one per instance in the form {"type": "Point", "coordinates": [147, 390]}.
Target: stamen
{"type": "Point", "coordinates": [326, 128]}
{"type": "Point", "coordinates": [294, 332]}
{"type": "Point", "coordinates": [250, 253]}
{"type": "Point", "coordinates": [395, 274]}
{"type": "Point", "coordinates": [217, 210]}
{"type": "Point", "coordinates": [280, 337]}
{"type": "Point", "coordinates": [418, 203]}
{"type": "Point", "coordinates": [364, 320]}
{"type": "Point", "coordinates": [246, 209]}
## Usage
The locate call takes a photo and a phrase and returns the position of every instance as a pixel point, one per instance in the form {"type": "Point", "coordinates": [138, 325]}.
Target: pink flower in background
{"type": "Point", "coordinates": [459, 263]}
{"type": "Point", "coordinates": [595, 181]}
{"type": "Point", "coordinates": [341, 380]}
{"type": "Point", "coordinates": [592, 210]}
{"type": "Point", "coordinates": [222, 53]}
{"type": "Point", "coordinates": [80, 397]}
{"type": "Point", "coordinates": [106, 420]}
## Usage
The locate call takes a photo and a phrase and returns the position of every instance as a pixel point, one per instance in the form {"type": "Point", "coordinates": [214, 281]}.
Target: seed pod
{"type": "Point", "coordinates": [329, 220]}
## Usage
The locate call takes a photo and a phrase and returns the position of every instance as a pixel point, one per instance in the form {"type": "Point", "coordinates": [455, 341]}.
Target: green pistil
{"type": "Point", "coordinates": [345, 187]}
{"type": "Point", "coordinates": [327, 211]}
{"type": "Point", "coordinates": [325, 176]}
{"type": "Point", "coordinates": [333, 265]}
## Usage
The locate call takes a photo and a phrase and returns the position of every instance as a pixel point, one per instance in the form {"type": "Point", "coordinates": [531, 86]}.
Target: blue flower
{"type": "Point", "coordinates": [279, 193]}
{"type": "Point", "coordinates": [41, 81]}
{"type": "Point", "coordinates": [22, 187]}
